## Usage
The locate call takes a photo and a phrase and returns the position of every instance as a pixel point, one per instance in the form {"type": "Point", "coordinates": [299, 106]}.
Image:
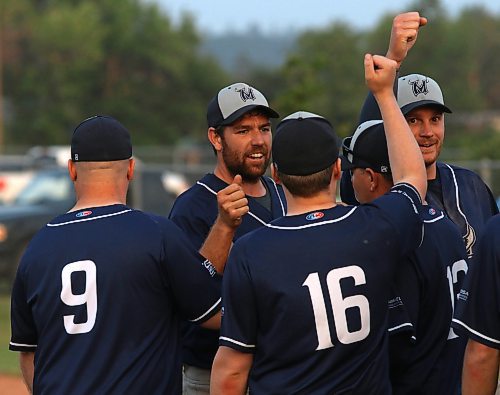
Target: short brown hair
{"type": "Point", "coordinates": [307, 186]}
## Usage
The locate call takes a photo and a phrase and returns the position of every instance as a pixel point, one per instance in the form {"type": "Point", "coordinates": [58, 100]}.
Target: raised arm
{"type": "Point", "coordinates": [404, 154]}
{"type": "Point", "coordinates": [404, 34]}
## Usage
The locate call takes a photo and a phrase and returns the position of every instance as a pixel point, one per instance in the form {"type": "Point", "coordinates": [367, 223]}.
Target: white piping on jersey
{"type": "Point", "coordinates": [236, 342]}
{"type": "Point", "coordinates": [279, 197]}
{"type": "Point", "coordinates": [457, 197]}
{"type": "Point", "coordinates": [251, 214]}
{"type": "Point", "coordinates": [208, 311]}
{"type": "Point", "coordinates": [430, 221]}
{"type": "Point", "coordinates": [476, 332]}
{"type": "Point", "coordinates": [315, 223]}
{"type": "Point", "coordinates": [90, 219]}
{"type": "Point", "coordinates": [23, 345]}
{"type": "Point", "coordinates": [400, 326]}
{"type": "Point", "coordinates": [206, 187]}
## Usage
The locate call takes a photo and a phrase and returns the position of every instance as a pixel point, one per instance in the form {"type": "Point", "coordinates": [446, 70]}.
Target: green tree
{"type": "Point", "coordinates": [120, 57]}
{"type": "Point", "coordinates": [324, 75]}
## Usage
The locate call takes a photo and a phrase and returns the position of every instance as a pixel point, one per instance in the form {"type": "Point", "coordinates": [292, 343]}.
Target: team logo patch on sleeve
{"type": "Point", "coordinates": [315, 216]}
{"type": "Point", "coordinates": [85, 213]}
{"type": "Point", "coordinates": [432, 211]}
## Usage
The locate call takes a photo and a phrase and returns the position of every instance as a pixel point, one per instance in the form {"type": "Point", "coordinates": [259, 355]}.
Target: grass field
{"type": "Point", "coordinates": [8, 359]}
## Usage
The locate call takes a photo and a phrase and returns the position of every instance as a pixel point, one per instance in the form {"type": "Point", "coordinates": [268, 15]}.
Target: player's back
{"type": "Point", "coordinates": [105, 304]}
{"type": "Point", "coordinates": [308, 293]}
{"type": "Point", "coordinates": [426, 355]}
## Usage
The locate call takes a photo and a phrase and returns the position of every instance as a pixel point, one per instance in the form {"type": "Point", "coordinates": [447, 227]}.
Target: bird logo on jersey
{"type": "Point", "coordinates": [419, 86]}
{"type": "Point", "coordinates": [246, 94]}
{"type": "Point", "coordinates": [315, 216]}
{"type": "Point", "coordinates": [469, 239]}
{"type": "Point", "coordinates": [85, 213]}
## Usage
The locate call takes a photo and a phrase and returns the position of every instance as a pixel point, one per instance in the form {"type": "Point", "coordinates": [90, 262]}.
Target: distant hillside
{"type": "Point", "coordinates": [239, 52]}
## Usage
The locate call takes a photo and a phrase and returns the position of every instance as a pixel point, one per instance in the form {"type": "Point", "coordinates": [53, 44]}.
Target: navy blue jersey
{"type": "Point", "coordinates": [461, 194]}
{"type": "Point", "coordinates": [425, 354]}
{"type": "Point", "coordinates": [98, 297]}
{"type": "Point", "coordinates": [195, 212]}
{"type": "Point", "coordinates": [307, 295]}
{"type": "Point", "coordinates": [478, 308]}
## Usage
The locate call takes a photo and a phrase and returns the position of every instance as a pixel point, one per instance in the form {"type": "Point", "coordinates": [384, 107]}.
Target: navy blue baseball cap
{"type": "Point", "coordinates": [304, 144]}
{"type": "Point", "coordinates": [235, 100]}
{"type": "Point", "coordinates": [366, 148]}
{"type": "Point", "coordinates": [100, 138]}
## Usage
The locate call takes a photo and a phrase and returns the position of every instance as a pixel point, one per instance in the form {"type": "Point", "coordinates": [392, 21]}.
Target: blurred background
{"type": "Point", "coordinates": [155, 64]}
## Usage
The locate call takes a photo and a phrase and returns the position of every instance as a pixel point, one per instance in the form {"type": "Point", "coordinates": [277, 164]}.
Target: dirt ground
{"type": "Point", "coordinates": [12, 385]}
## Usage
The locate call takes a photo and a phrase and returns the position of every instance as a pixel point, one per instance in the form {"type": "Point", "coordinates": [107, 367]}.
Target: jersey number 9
{"type": "Point", "coordinates": [88, 297]}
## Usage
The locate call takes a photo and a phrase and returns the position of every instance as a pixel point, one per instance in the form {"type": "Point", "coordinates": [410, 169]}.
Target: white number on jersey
{"type": "Point", "coordinates": [458, 266]}
{"type": "Point", "coordinates": [88, 297]}
{"type": "Point", "coordinates": [339, 306]}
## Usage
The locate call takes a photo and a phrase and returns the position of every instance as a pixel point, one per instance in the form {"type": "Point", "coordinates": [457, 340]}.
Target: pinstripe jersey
{"type": "Point", "coordinates": [477, 313]}
{"type": "Point", "coordinates": [98, 297]}
{"type": "Point", "coordinates": [307, 295]}
{"type": "Point", "coordinates": [195, 212]}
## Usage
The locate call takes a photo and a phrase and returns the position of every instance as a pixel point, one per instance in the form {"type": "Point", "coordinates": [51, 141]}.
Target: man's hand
{"type": "Point", "coordinates": [379, 74]}
{"type": "Point", "coordinates": [233, 204]}
{"type": "Point", "coordinates": [404, 34]}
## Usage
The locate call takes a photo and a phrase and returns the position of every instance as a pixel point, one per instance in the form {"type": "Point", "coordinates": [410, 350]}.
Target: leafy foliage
{"type": "Point", "coordinates": [73, 59]}
{"type": "Point", "coordinates": [64, 60]}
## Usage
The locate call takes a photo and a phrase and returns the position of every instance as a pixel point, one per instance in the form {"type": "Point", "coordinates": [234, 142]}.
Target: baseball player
{"type": "Point", "coordinates": [99, 293]}
{"type": "Point", "coordinates": [477, 316]}
{"type": "Point", "coordinates": [459, 192]}
{"type": "Point", "coordinates": [239, 130]}
{"type": "Point", "coordinates": [425, 354]}
{"type": "Point", "coordinates": [305, 297]}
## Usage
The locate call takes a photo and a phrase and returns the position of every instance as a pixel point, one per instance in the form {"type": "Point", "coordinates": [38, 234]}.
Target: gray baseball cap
{"type": "Point", "coordinates": [417, 90]}
{"type": "Point", "coordinates": [234, 101]}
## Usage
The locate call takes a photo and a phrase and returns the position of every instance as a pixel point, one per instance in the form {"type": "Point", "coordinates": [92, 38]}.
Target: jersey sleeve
{"type": "Point", "coordinates": [24, 334]}
{"type": "Point", "coordinates": [477, 312]}
{"type": "Point", "coordinates": [239, 318]}
{"type": "Point", "coordinates": [193, 279]}
{"type": "Point", "coordinates": [403, 305]}
{"type": "Point", "coordinates": [400, 208]}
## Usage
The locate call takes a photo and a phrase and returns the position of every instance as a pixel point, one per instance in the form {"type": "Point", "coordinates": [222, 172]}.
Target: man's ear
{"type": "Point", "coordinates": [274, 174]}
{"type": "Point", "coordinates": [72, 170]}
{"type": "Point", "coordinates": [337, 169]}
{"type": "Point", "coordinates": [374, 179]}
{"type": "Point", "coordinates": [214, 138]}
{"type": "Point", "coordinates": [131, 168]}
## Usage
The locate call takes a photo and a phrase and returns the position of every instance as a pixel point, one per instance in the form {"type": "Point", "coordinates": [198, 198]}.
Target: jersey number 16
{"type": "Point", "coordinates": [339, 306]}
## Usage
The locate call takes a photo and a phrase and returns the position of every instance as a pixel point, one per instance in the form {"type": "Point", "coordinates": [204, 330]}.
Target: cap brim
{"type": "Point", "coordinates": [411, 106]}
{"type": "Point", "coordinates": [243, 110]}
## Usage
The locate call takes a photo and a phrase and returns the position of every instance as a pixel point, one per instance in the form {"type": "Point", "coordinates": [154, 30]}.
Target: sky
{"type": "Point", "coordinates": [219, 16]}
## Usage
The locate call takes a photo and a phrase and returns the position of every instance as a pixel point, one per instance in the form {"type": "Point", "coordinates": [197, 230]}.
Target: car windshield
{"type": "Point", "coordinates": [45, 188]}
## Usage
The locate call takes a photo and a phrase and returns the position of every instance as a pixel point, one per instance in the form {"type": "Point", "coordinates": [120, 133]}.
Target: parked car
{"type": "Point", "coordinates": [50, 193]}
